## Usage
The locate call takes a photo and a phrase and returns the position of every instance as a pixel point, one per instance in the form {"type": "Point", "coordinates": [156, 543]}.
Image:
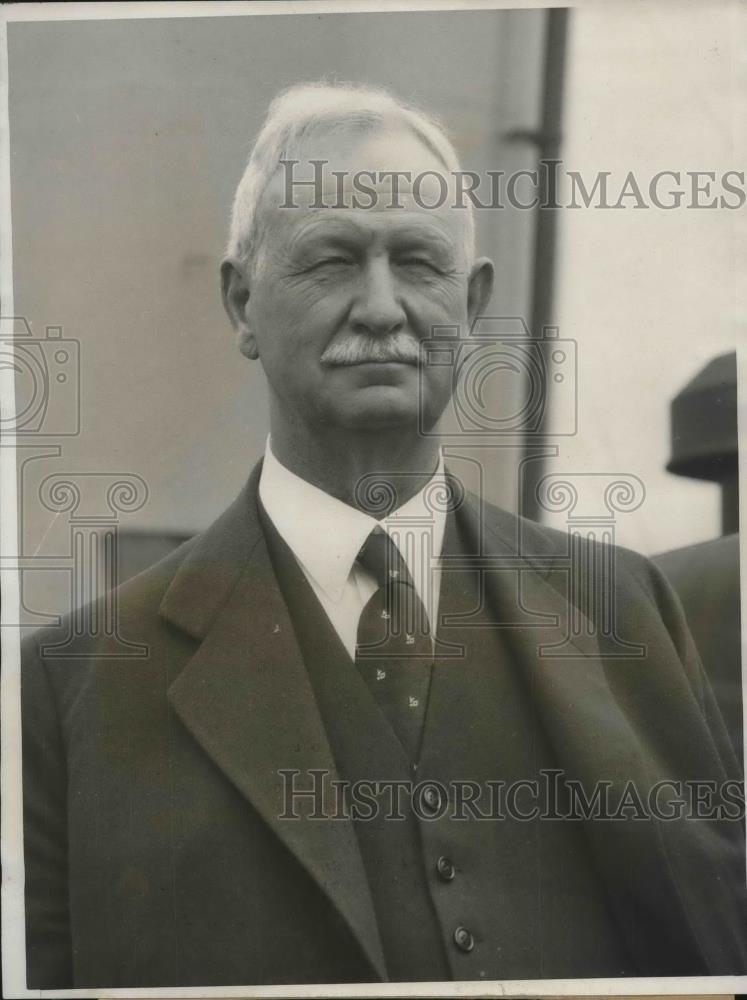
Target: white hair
{"type": "Point", "coordinates": [300, 111]}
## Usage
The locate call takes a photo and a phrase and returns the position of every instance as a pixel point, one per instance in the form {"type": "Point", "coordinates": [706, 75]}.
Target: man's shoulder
{"type": "Point", "coordinates": [130, 609]}
{"type": "Point", "coordinates": [148, 587]}
{"type": "Point", "coordinates": [562, 556]}
{"type": "Point", "coordinates": [589, 570]}
{"type": "Point", "coordinates": [201, 568]}
{"type": "Point", "coordinates": [544, 545]}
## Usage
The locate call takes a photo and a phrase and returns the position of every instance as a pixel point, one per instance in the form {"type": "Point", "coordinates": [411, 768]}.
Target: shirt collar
{"type": "Point", "coordinates": [326, 535]}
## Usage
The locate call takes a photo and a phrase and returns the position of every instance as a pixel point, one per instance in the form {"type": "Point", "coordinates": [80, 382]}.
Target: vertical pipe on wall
{"type": "Point", "coordinates": [548, 140]}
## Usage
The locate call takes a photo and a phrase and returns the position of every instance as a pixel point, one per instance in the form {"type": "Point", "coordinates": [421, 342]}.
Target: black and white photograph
{"type": "Point", "coordinates": [370, 498]}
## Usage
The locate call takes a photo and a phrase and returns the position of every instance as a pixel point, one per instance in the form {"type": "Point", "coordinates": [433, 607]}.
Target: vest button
{"type": "Point", "coordinates": [431, 800]}
{"type": "Point", "coordinates": [445, 868]}
{"type": "Point", "coordinates": [463, 939]}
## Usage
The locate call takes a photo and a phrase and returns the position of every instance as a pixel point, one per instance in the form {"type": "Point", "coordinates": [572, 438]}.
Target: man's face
{"type": "Point", "coordinates": [340, 298]}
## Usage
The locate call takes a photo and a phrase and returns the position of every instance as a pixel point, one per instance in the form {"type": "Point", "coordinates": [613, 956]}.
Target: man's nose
{"type": "Point", "coordinates": [377, 308]}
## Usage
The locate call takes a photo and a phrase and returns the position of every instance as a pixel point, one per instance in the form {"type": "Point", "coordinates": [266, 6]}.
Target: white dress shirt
{"type": "Point", "coordinates": [325, 535]}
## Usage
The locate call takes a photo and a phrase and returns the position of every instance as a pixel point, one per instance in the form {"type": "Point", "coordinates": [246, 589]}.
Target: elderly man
{"type": "Point", "coordinates": [326, 768]}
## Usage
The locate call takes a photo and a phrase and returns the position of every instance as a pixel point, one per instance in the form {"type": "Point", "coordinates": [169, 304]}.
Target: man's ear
{"type": "Point", "coordinates": [480, 287]}
{"type": "Point", "coordinates": [234, 285]}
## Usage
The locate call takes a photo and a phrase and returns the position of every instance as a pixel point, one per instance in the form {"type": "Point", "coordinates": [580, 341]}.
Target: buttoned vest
{"type": "Point", "coordinates": [457, 896]}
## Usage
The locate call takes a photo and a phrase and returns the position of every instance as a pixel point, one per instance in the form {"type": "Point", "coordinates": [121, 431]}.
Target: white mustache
{"type": "Point", "coordinates": [359, 349]}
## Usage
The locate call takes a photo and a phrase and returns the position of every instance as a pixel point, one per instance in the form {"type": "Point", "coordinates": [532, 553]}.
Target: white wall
{"type": "Point", "coordinates": [648, 294]}
{"type": "Point", "coordinates": [128, 139]}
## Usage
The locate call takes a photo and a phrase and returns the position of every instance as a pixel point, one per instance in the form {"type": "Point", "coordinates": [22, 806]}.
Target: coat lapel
{"type": "Point", "coordinates": [590, 711]}
{"type": "Point", "coordinates": [246, 698]}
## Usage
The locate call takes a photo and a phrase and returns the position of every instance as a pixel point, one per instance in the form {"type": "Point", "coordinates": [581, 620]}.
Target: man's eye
{"type": "Point", "coordinates": [326, 261]}
{"type": "Point", "coordinates": [417, 262]}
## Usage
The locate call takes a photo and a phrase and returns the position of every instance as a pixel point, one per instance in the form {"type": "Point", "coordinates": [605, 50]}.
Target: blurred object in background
{"type": "Point", "coordinates": [704, 433]}
{"type": "Point", "coordinates": [706, 576]}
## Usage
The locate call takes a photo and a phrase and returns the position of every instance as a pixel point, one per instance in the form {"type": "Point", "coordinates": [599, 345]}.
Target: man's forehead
{"type": "Point", "coordinates": [393, 147]}
{"type": "Point", "coordinates": [398, 227]}
{"type": "Point", "coordinates": [343, 177]}
{"type": "Point", "coordinates": [390, 161]}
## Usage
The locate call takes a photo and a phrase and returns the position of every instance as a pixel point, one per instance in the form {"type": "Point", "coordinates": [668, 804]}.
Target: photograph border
{"type": "Point", "coordinates": [13, 937]}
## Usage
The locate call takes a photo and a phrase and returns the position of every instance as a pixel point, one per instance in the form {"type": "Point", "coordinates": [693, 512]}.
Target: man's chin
{"type": "Point", "coordinates": [377, 397]}
{"type": "Point", "coordinates": [377, 407]}
{"type": "Point", "coordinates": [373, 407]}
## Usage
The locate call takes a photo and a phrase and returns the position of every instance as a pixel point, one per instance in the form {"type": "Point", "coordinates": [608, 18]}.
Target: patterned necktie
{"type": "Point", "coordinates": [394, 651]}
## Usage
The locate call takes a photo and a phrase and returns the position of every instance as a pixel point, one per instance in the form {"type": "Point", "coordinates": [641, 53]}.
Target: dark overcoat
{"type": "Point", "coordinates": [154, 849]}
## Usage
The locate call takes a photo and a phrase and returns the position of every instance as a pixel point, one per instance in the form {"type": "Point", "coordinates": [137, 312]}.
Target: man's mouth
{"type": "Point", "coordinates": [378, 361]}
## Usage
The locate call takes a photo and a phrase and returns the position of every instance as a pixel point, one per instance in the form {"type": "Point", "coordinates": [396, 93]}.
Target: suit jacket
{"type": "Point", "coordinates": [155, 854]}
